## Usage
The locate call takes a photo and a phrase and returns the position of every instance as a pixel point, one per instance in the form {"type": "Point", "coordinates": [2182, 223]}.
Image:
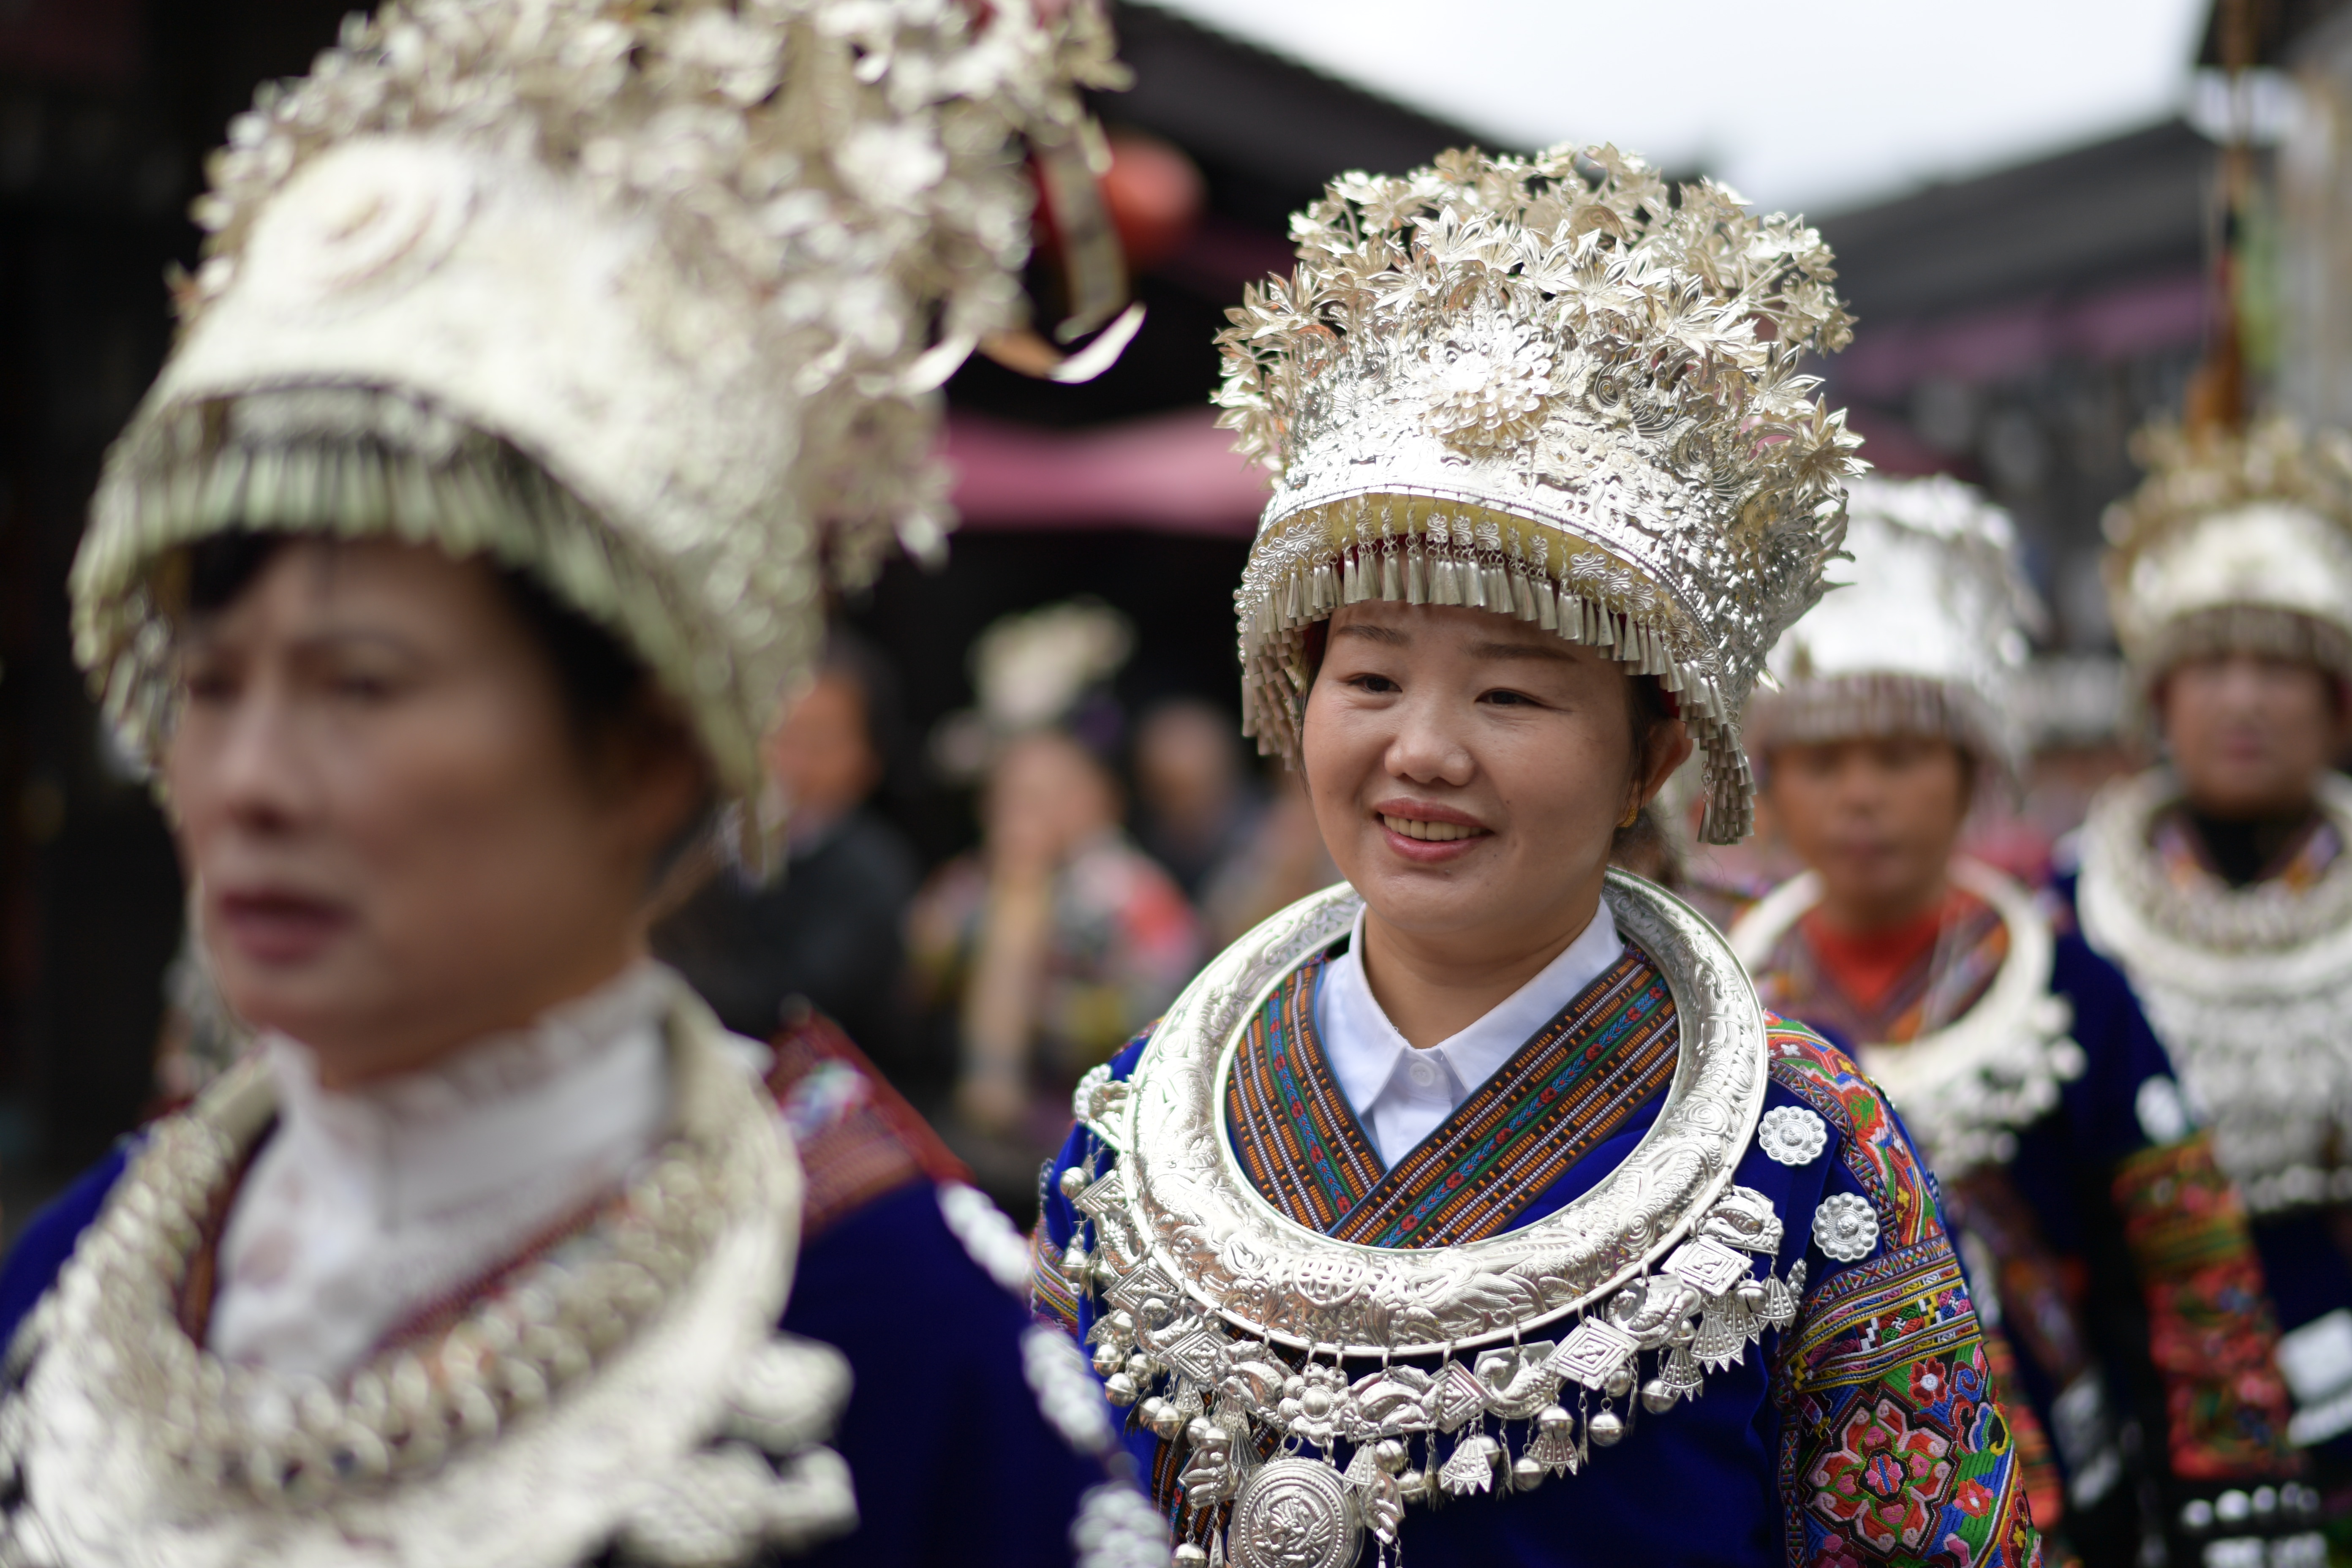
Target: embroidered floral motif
{"type": "Point", "coordinates": [1886, 1480]}
{"type": "Point", "coordinates": [1896, 1446]}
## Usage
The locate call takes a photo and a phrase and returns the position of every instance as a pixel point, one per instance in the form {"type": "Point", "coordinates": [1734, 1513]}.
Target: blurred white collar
{"type": "Point", "coordinates": [366, 1203]}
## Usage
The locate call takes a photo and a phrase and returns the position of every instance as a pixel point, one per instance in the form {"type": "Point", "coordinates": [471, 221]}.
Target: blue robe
{"type": "Point", "coordinates": [1866, 1434]}
{"type": "Point", "coordinates": [2078, 1226]}
{"type": "Point", "coordinates": [2305, 1253]}
{"type": "Point", "coordinates": [952, 1459]}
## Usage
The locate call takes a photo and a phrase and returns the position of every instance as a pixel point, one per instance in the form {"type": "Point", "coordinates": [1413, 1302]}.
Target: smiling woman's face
{"type": "Point", "coordinates": [400, 844]}
{"type": "Point", "coordinates": [1468, 771]}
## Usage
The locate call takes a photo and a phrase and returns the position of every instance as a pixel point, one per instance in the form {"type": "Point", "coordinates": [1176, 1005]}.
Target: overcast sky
{"type": "Point", "coordinates": [1819, 104]}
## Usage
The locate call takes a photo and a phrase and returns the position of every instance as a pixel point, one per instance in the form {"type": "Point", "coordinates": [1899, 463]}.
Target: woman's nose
{"type": "Point", "coordinates": [1427, 747]}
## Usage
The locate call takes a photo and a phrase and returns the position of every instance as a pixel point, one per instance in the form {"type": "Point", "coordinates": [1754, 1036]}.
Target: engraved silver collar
{"type": "Point", "coordinates": [1247, 1318]}
{"type": "Point", "coordinates": [631, 1393]}
{"type": "Point", "coordinates": [2248, 990]}
{"type": "Point", "coordinates": [1965, 1089]}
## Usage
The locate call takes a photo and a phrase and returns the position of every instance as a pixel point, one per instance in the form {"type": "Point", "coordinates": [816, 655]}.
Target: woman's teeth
{"type": "Point", "coordinates": [1431, 832]}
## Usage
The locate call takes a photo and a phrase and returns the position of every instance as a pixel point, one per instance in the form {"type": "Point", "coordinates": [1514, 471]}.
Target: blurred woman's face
{"type": "Point", "coordinates": [1468, 771]}
{"type": "Point", "coordinates": [1877, 819]}
{"type": "Point", "coordinates": [399, 843]}
{"type": "Point", "coordinates": [2249, 735]}
{"type": "Point", "coordinates": [1047, 796]}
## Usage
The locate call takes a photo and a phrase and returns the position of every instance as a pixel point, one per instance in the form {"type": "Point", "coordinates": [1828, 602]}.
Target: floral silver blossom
{"type": "Point", "coordinates": [1550, 388]}
{"type": "Point", "coordinates": [1793, 1135]}
{"type": "Point", "coordinates": [1846, 1227]}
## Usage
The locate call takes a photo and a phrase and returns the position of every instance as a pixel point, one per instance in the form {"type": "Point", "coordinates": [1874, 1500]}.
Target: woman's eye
{"type": "Point", "coordinates": [1509, 699]}
{"type": "Point", "coordinates": [1379, 685]}
{"type": "Point", "coordinates": [364, 686]}
{"type": "Point", "coordinates": [209, 686]}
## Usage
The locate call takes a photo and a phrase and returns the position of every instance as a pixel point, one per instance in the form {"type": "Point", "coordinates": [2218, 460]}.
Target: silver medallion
{"type": "Point", "coordinates": [1294, 1514]}
{"type": "Point", "coordinates": [1846, 1227]}
{"type": "Point", "coordinates": [1793, 1135]}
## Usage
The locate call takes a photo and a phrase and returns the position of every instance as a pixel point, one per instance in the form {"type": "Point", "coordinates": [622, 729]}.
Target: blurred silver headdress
{"type": "Point", "coordinates": [1551, 388]}
{"type": "Point", "coordinates": [650, 298]}
{"type": "Point", "coordinates": [1926, 636]}
{"type": "Point", "coordinates": [2234, 542]}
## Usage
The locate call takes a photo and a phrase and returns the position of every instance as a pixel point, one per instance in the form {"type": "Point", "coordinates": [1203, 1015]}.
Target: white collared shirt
{"type": "Point", "coordinates": [1401, 1094]}
{"type": "Point", "coordinates": [368, 1203]}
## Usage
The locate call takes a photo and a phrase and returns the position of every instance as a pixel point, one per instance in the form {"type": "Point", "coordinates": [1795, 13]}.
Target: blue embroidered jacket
{"type": "Point", "coordinates": [2305, 1255]}
{"type": "Point", "coordinates": [1868, 1433]}
{"type": "Point", "coordinates": [952, 1454]}
{"type": "Point", "coordinates": [2124, 1280]}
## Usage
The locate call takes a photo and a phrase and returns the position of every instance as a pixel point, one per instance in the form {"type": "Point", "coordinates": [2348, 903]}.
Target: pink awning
{"type": "Point", "coordinates": [1170, 473]}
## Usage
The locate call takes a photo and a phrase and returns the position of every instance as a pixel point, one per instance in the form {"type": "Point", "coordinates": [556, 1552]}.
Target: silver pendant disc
{"type": "Point", "coordinates": [1294, 1514]}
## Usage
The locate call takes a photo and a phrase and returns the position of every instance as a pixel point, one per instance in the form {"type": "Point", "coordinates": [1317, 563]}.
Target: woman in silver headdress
{"type": "Point", "coordinates": [2218, 880]}
{"type": "Point", "coordinates": [450, 575]}
{"type": "Point", "coordinates": [1445, 1185]}
{"type": "Point", "coordinates": [2018, 1058]}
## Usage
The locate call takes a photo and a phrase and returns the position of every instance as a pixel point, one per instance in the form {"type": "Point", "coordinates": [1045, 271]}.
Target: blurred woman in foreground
{"type": "Point", "coordinates": [450, 575]}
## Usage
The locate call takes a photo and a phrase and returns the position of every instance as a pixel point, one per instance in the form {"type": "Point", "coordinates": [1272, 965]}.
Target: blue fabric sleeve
{"type": "Point", "coordinates": [48, 1239]}
{"type": "Point", "coordinates": [953, 1462]}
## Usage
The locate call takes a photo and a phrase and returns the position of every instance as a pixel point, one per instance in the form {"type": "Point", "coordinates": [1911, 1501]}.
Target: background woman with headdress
{"type": "Point", "coordinates": [1044, 948]}
{"type": "Point", "coordinates": [1490, 1167]}
{"type": "Point", "coordinates": [449, 575]}
{"type": "Point", "coordinates": [2218, 880]}
{"type": "Point", "coordinates": [2131, 1323]}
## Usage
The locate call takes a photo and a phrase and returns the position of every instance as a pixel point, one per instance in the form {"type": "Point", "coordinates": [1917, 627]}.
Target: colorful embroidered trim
{"type": "Point", "coordinates": [2044, 1487]}
{"type": "Point", "coordinates": [1941, 983]}
{"type": "Point", "coordinates": [2299, 867]}
{"type": "Point", "coordinates": [2213, 1334]}
{"type": "Point", "coordinates": [1865, 1322]}
{"type": "Point", "coordinates": [1564, 1092]}
{"type": "Point", "coordinates": [1896, 1447]}
{"type": "Point", "coordinates": [1299, 1141]}
{"type": "Point", "coordinates": [1052, 1297]}
{"type": "Point", "coordinates": [858, 1139]}
{"type": "Point", "coordinates": [1876, 1149]}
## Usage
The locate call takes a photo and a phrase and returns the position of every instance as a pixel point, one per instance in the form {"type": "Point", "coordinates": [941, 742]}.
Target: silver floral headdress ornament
{"type": "Point", "coordinates": [2235, 542]}
{"type": "Point", "coordinates": [1927, 634]}
{"type": "Point", "coordinates": [1551, 388]}
{"type": "Point", "coordinates": [650, 300]}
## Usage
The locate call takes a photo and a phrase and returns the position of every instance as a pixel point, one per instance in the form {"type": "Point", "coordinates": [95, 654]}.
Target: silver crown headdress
{"type": "Point", "coordinates": [2234, 542]}
{"type": "Point", "coordinates": [1926, 636]}
{"type": "Point", "coordinates": [1551, 388]}
{"type": "Point", "coordinates": [651, 300]}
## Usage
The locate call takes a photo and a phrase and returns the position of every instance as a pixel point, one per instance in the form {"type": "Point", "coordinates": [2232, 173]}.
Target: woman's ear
{"type": "Point", "coordinates": [1670, 747]}
{"type": "Point", "coordinates": [655, 771]}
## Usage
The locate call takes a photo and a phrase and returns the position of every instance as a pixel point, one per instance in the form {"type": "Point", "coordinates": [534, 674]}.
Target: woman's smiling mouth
{"type": "Point", "coordinates": [1431, 832]}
